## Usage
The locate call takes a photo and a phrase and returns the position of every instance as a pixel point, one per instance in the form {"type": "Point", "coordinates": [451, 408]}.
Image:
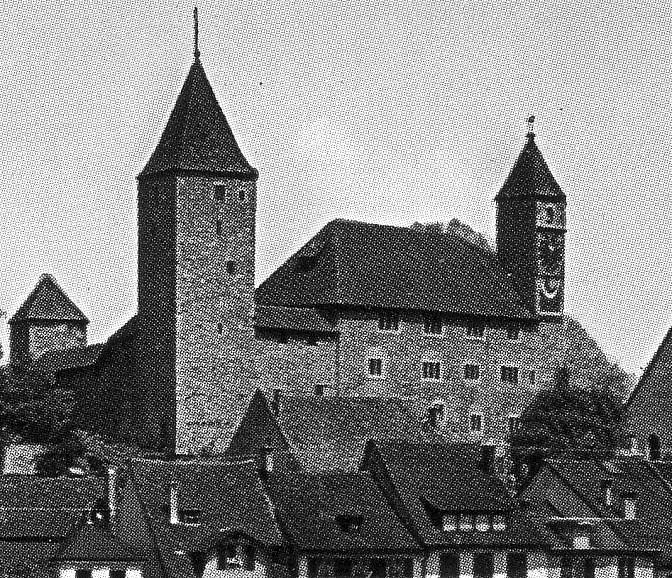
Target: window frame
{"type": "Point", "coordinates": [514, 371]}
{"type": "Point", "coordinates": [384, 318]}
{"type": "Point", "coordinates": [430, 370]}
{"type": "Point", "coordinates": [383, 368]}
{"type": "Point", "coordinates": [219, 187]}
{"type": "Point", "coordinates": [479, 416]}
{"type": "Point", "coordinates": [480, 335]}
{"type": "Point", "coordinates": [471, 365]}
{"type": "Point", "coordinates": [513, 332]}
{"type": "Point", "coordinates": [430, 321]}
{"type": "Point", "coordinates": [509, 418]}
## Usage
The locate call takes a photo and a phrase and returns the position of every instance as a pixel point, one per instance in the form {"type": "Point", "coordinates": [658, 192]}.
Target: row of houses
{"type": "Point", "coordinates": [383, 497]}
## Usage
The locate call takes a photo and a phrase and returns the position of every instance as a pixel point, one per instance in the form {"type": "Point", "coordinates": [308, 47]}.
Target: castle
{"type": "Point", "coordinates": [360, 310]}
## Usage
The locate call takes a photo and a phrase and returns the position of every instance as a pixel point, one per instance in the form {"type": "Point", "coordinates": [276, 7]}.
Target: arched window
{"type": "Point", "coordinates": [654, 447]}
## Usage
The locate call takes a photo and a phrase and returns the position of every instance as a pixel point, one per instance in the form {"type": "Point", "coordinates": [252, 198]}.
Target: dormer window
{"type": "Point", "coordinates": [388, 321]}
{"type": "Point", "coordinates": [350, 524]}
{"type": "Point", "coordinates": [449, 522]}
{"type": "Point", "coordinates": [191, 516]}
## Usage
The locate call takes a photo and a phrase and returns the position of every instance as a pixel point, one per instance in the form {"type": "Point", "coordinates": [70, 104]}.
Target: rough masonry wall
{"type": "Point", "coordinates": [215, 361]}
{"type": "Point", "coordinates": [539, 348]}
{"type": "Point", "coordinates": [154, 383]}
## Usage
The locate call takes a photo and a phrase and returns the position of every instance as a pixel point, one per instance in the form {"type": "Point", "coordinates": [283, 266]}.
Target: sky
{"type": "Point", "coordinates": [388, 112]}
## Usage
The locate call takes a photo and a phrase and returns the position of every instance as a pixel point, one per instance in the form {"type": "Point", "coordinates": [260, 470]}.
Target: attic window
{"type": "Point", "coordinates": [350, 524]}
{"type": "Point", "coordinates": [475, 331]}
{"type": "Point", "coordinates": [191, 516]}
{"type": "Point", "coordinates": [433, 324]}
{"type": "Point", "coordinates": [388, 321]}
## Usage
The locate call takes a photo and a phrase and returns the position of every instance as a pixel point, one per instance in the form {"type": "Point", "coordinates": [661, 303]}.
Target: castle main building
{"type": "Point", "coordinates": [361, 309]}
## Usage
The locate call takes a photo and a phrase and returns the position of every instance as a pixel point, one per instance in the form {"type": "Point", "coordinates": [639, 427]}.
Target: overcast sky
{"type": "Point", "coordinates": [390, 112]}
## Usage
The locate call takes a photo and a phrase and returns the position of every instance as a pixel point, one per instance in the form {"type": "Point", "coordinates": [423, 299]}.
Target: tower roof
{"type": "Point", "coordinates": [530, 176]}
{"type": "Point", "coordinates": [47, 301]}
{"type": "Point", "coordinates": [197, 136]}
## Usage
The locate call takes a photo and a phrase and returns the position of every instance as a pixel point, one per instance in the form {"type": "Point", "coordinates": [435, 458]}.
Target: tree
{"type": "Point", "coordinates": [455, 227]}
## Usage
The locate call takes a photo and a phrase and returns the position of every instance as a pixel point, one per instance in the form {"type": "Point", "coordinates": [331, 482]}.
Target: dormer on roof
{"type": "Point", "coordinates": [47, 320]}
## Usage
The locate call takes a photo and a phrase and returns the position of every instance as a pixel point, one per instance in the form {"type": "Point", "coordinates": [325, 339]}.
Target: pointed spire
{"type": "Point", "coordinates": [47, 301]}
{"type": "Point", "coordinates": [197, 136]}
{"type": "Point", "coordinates": [530, 175]}
{"type": "Point", "coordinates": [197, 52]}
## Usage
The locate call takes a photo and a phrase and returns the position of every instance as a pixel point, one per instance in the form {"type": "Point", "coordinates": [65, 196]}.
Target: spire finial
{"type": "Point", "coordinates": [530, 126]}
{"type": "Point", "coordinates": [197, 52]}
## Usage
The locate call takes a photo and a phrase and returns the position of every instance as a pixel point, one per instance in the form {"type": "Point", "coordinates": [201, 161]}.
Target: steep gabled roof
{"type": "Point", "coordinates": [530, 176]}
{"type": "Point", "coordinates": [316, 510]}
{"type": "Point", "coordinates": [349, 263]}
{"type": "Point", "coordinates": [48, 302]}
{"type": "Point", "coordinates": [434, 478]}
{"type": "Point", "coordinates": [93, 543]}
{"type": "Point", "coordinates": [197, 136]}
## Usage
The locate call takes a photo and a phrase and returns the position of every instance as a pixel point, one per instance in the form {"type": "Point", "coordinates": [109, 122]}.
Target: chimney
{"type": "Point", "coordinates": [275, 404]}
{"type": "Point", "coordinates": [112, 495]}
{"type": "Point", "coordinates": [630, 505]}
{"type": "Point", "coordinates": [174, 502]}
{"type": "Point", "coordinates": [488, 459]}
{"type": "Point", "coordinates": [607, 486]}
{"type": "Point", "coordinates": [266, 459]}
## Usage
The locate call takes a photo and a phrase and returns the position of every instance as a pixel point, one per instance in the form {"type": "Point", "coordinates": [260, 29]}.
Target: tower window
{"type": "Point", "coordinates": [514, 423]}
{"type": "Point", "coordinates": [476, 422]}
{"type": "Point", "coordinates": [219, 228]}
{"type": "Point", "coordinates": [509, 374]}
{"type": "Point", "coordinates": [388, 321]}
{"type": "Point", "coordinates": [220, 328]}
{"type": "Point", "coordinates": [533, 377]}
{"type": "Point", "coordinates": [241, 196]}
{"type": "Point", "coordinates": [221, 193]}
{"type": "Point", "coordinates": [231, 267]}
{"type": "Point", "coordinates": [472, 371]}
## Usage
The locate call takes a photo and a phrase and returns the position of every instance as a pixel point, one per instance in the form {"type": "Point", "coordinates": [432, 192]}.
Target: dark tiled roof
{"type": "Point", "coordinates": [72, 358]}
{"type": "Point", "coordinates": [230, 497]}
{"type": "Point", "coordinates": [197, 136]}
{"type": "Point", "coordinates": [435, 478]}
{"type": "Point", "coordinates": [330, 433]}
{"type": "Point", "coordinates": [355, 264]}
{"type": "Point", "coordinates": [530, 176]}
{"type": "Point", "coordinates": [650, 529]}
{"type": "Point", "coordinates": [48, 302]}
{"type": "Point", "coordinates": [314, 509]}
{"type": "Point", "coordinates": [658, 370]}
{"type": "Point", "coordinates": [49, 493]}
{"type": "Point", "coordinates": [91, 542]}
{"type": "Point", "coordinates": [294, 318]}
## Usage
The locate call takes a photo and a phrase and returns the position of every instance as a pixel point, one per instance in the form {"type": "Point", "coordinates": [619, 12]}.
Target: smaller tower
{"type": "Point", "coordinates": [531, 231]}
{"type": "Point", "coordinates": [47, 320]}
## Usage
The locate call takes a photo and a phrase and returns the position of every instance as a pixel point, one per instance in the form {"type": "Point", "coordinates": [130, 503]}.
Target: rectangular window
{"type": "Point", "coordinates": [117, 573]}
{"type": "Point", "coordinates": [250, 557]}
{"type": "Point", "coordinates": [190, 516]}
{"type": "Point", "coordinates": [82, 573]}
{"type": "Point", "coordinates": [513, 332]}
{"type": "Point", "coordinates": [407, 568]}
{"type": "Point", "coordinates": [509, 374]}
{"type": "Point", "coordinates": [197, 563]}
{"type": "Point", "coordinates": [314, 567]}
{"type": "Point", "coordinates": [221, 193]}
{"type": "Point", "coordinates": [431, 370]}
{"type": "Point", "coordinates": [449, 522]}
{"type": "Point", "coordinates": [516, 565]}
{"type": "Point", "coordinates": [433, 325]}
{"type": "Point", "coordinates": [378, 568]}
{"type": "Point", "coordinates": [227, 557]}
{"type": "Point", "coordinates": [476, 422]}
{"type": "Point", "coordinates": [476, 331]}
{"type": "Point", "coordinates": [533, 377]}
{"type": "Point", "coordinates": [626, 567]}
{"type": "Point", "coordinates": [483, 565]}
{"type": "Point", "coordinates": [375, 367]}
{"type": "Point", "coordinates": [472, 372]}
{"type": "Point", "coordinates": [514, 423]}
{"type": "Point", "coordinates": [589, 568]}
{"type": "Point", "coordinates": [388, 321]}
{"type": "Point", "coordinates": [449, 566]}
{"type": "Point", "coordinates": [342, 567]}
{"type": "Point", "coordinates": [566, 564]}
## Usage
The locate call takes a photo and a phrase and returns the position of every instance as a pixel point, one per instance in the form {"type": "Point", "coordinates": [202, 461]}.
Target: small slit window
{"type": "Point", "coordinates": [241, 196]}
{"type": "Point", "coordinates": [220, 328]}
{"type": "Point", "coordinates": [533, 377]}
{"type": "Point", "coordinates": [375, 367]}
{"type": "Point", "coordinates": [476, 422]}
{"type": "Point", "coordinates": [218, 228]}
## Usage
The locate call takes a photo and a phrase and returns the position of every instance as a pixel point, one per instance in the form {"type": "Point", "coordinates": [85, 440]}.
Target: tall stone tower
{"type": "Point", "coordinates": [47, 320]}
{"type": "Point", "coordinates": [196, 243]}
{"type": "Point", "coordinates": [531, 232]}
